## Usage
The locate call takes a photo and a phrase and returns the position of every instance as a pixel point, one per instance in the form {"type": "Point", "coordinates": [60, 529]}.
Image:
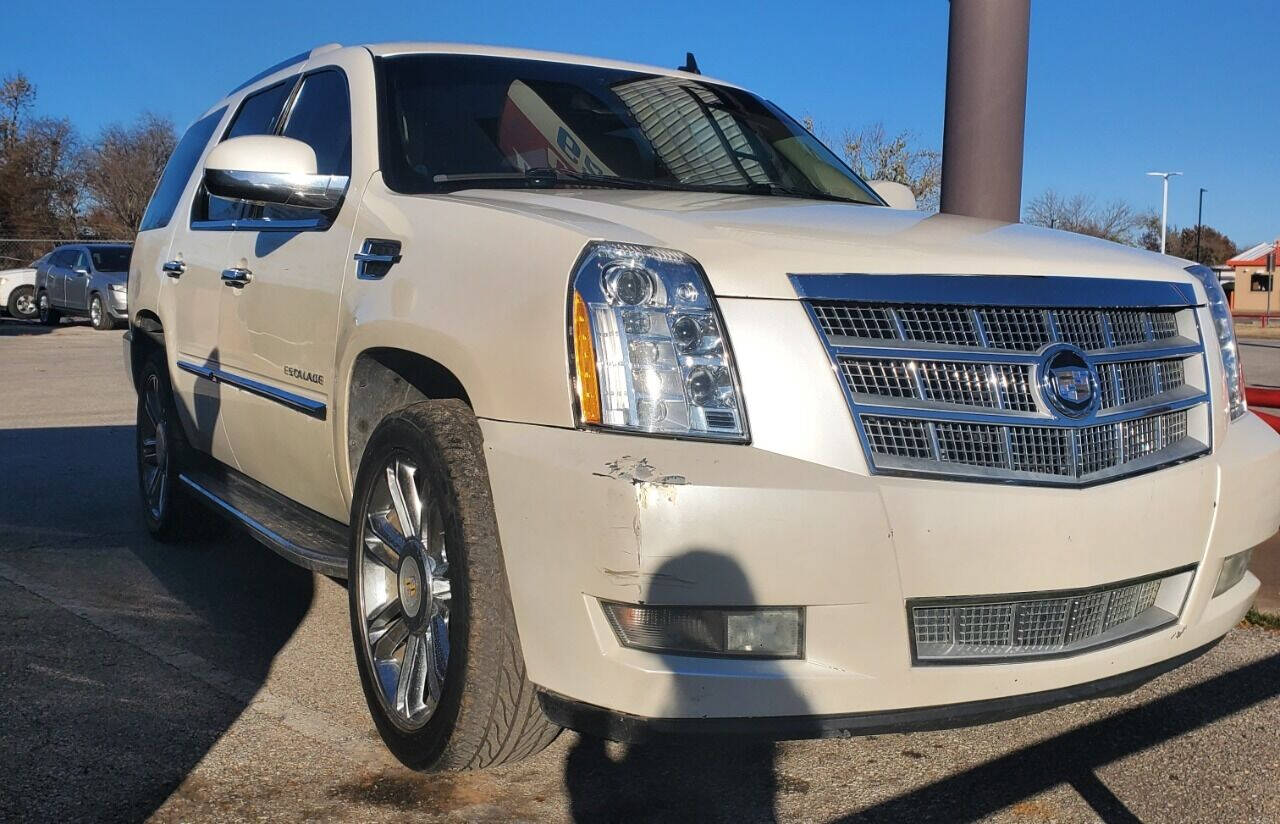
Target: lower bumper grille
{"type": "Point", "coordinates": [964, 630]}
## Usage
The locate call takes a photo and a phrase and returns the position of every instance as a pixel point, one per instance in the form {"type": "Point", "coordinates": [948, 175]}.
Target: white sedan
{"type": "Point", "coordinates": [17, 291]}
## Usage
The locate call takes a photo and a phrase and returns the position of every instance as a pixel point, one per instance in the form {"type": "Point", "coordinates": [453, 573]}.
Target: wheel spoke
{"type": "Point", "coordinates": [434, 540]}
{"type": "Point", "coordinates": [380, 619]}
{"type": "Point", "coordinates": [149, 451]}
{"type": "Point", "coordinates": [434, 682]}
{"type": "Point", "coordinates": [152, 404]}
{"type": "Point", "coordinates": [387, 544]}
{"type": "Point", "coordinates": [389, 639]}
{"type": "Point", "coordinates": [404, 497]}
{"type": "Point", "coordinates": [153, 484]}
{"type": "Point", "coordinates": [413, 676]}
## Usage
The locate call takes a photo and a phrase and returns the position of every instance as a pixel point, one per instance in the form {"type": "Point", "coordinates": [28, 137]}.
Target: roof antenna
{"type": "Point", "coordinates": [690, 64]}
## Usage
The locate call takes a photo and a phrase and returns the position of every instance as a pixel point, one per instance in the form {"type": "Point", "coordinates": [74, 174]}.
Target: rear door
{"type": "Point", "coordinates": [278, 329]}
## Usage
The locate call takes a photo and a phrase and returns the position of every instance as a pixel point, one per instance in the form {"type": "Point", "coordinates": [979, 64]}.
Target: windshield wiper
{"type": "Point", "coordinates": [781, 190]}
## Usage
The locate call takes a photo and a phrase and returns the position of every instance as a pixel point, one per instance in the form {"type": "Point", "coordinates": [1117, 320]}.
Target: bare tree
{"type": "Point", "coordinates": [876, 155]}
{"type": "Point", "coordinates": [121, 170]}
{"type": "Point", "coordinates": [39, 180]}
{"type": "Point", "coordinates": [1115, 221]}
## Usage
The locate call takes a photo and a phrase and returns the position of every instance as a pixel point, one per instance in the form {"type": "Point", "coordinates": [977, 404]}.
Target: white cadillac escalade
{"type": "Point", "coordinates": [623, 405]}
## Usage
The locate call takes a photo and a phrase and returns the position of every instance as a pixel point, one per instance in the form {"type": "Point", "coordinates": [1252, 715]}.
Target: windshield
{"type": "Point", "coordinates": [461, 121]}
{"type": "Point", "coordinates": [111, 258]}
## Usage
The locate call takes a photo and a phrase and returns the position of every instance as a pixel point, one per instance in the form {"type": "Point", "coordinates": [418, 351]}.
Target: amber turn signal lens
{"type": "Point", "coordinates": [584, 358]}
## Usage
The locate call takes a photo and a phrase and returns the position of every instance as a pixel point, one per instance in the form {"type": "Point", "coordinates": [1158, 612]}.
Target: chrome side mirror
{"type": "Point", "coordinates": [269, 169]}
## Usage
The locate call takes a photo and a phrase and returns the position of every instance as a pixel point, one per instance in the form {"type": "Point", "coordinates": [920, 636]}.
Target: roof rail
{"type": "Point", "coordinates": [284, 64]}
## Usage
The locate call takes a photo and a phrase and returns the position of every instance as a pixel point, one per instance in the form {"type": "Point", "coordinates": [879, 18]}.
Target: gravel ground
{"type": "Point", "coordinates": [215, 682]}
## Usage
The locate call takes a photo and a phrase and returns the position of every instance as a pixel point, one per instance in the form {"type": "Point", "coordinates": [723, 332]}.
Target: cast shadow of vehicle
{"type": "Point", "coordinates": [703, 779]}
{"type": "Point", "coordinates": [738, 779]}
{"type": "Point", "coordinates": [109, 638]}
{"type": "Point", "coordinates": [15, 327]}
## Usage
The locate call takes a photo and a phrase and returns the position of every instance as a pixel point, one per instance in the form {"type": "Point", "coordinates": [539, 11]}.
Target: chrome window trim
{"type": "Point", "coordinates": [1066, 291]}
{"type": "Point", "coordinates": [298, 403]}
{"type": "Point", "coordinates": [261, 225]}
{"type": "Point", "coordinates": [980, 292]}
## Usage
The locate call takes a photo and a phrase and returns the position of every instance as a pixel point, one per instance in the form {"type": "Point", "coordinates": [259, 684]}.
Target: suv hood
{"type": "Point", "coordinates": [749, 244]}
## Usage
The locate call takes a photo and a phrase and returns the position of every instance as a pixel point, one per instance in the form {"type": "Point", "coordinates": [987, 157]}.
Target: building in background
{"type": "Point", "coordinates": [1254, 285]}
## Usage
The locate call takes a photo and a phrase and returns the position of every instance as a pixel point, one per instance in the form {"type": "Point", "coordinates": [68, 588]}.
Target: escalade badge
{"type": "Point", "coordinates": [1069, 381]}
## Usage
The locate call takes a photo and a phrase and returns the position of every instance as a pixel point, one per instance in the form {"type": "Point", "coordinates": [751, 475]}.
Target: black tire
{"type": "Point", "coordinates": [170, 515]}
{"type": "Point", "coordinates": [487, 712]}
{"type": "Point", "coordinates": [48, 315]}
{"type": "Point", "coordinates": [20, 297]}
{"type": "Point", "coordinates": [98, 314]}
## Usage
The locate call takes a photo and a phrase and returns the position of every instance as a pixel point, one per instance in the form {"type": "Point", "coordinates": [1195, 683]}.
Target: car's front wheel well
{"type": "Point", "coordinates": [384, 380]}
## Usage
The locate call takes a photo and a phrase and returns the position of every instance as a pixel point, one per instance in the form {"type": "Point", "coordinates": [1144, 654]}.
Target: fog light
{"type": "Point", "coordinates": [1233, 569]}
{"type": "Point", "coordinates": [761, 632]}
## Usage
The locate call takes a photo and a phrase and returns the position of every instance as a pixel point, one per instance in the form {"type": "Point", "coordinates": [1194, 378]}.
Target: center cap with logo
{"type": "Point", "coordinates": [1068, 381]}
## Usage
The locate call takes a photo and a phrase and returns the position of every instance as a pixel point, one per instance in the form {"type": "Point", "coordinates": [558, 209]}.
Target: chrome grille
{"type": "Point", "coordinates": [1013, 328]}
{"type": "Point", "coordinates": [995, 627]}
{"type": "Point", "coordinates": [968, 390]}
{"type": "Point", "coordinates": [995, 386]}
{"type": "Point", "coordinates": [1138, 380]}
{"type": "Point", "coordinates": [1075, 452]}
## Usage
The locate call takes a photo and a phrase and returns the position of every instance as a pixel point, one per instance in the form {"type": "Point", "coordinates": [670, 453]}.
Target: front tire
{"type": "Point", "coordinates": [431, 616]}
{"type": "Point", "coordinates": [48, 315]}
{"type": "Point", "coordinates": [22, 303]}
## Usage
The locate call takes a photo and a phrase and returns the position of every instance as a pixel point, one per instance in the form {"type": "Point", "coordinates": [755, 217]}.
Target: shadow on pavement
{"type": "Point", "coordinates": [12, 327]}
{"type": "Point", "coordinates": [682, 779]}
{"type": "Point", "coordinates": [94, 727]}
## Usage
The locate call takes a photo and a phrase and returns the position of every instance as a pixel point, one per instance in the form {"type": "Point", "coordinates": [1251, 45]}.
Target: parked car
{"type": "Point", "coordinates": [624, 405]}
{"type": "Point", "coordinates": [85, 280]}
{"type": "Point", "coordinates": [18, 291]}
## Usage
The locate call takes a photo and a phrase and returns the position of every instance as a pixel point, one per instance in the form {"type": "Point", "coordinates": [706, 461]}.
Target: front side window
{"type": "Point", "coordinates": [111, 258]}
{"type": "Point", "coordinates": [453, 121]}
{"type": "Point", "coordinates": [258, 114]}
{"type": "Point", "coordinates": [321, 118]}
{"type": "Point", "coordinates": [63, 258]}
{"type": "Point", "coordinates": [173, 181]}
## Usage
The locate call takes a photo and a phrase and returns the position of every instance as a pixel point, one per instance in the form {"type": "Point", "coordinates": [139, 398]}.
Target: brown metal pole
{"type": "Point", "coordinates": [986, 108]}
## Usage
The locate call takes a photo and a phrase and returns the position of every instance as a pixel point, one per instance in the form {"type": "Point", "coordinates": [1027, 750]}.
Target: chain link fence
{"type": "Point", "coordinates": [17, 252]}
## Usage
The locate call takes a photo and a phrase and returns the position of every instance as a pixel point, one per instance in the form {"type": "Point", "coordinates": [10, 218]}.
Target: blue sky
{"type": "Point", "coordinates": [1115, 88]}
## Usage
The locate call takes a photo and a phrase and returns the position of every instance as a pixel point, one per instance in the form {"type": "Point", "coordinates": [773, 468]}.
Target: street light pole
{"type": "Point", "coordinates": [1199, 222]}
{"type": "Point", "coordinates": [1164, 211]}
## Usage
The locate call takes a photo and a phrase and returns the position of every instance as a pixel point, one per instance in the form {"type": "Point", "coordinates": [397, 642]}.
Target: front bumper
{"type": "Point", "coordinates": [795, 519]}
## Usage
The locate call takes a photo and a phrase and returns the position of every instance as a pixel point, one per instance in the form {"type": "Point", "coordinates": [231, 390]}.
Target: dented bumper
{"type": "Point", "coordinates": [587, 516]}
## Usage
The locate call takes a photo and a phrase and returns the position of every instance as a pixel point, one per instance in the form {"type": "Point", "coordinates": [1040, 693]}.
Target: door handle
{"type": "Point", "coordinates": [174, 268]}
{"type": "Point", "coordinates": [236, 276]}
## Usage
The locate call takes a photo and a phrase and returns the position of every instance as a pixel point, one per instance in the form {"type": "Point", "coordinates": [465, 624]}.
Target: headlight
{"type": "Point", "coordinates": [1226, 330]}
{"type": "Point", "coordinates": [120, 288]}
{"type": "Point", "coordinates": [650, 352]}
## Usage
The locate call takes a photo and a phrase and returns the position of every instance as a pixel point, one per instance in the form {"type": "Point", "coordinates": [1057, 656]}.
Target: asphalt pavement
{"type": "Point", "coordinates": [215, 682]}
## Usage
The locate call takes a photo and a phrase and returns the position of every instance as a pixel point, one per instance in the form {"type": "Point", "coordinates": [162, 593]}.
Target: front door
{"type": "Point", "coordinates": [277, 325]}
{"type": "Point", "coordinates": [77, 282]}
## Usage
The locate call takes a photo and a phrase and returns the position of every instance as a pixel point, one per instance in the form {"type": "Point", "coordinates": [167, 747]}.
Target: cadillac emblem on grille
{"type": "Point", "coordinates": [1071, 385]}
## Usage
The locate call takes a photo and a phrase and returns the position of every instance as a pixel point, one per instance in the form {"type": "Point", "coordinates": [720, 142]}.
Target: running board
{"type": "Point", "coordinates": [299, 534]}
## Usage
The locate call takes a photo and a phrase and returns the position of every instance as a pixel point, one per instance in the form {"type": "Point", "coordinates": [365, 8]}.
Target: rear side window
{"type": "Point", "coordinates": [178, 171]}
{"type": "Point", "coordinates": [258, 114]}
{"type": "Point", "coordinates": [321, 118]}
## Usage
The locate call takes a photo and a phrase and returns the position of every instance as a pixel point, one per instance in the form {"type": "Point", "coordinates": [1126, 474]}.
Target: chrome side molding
{"type": "Point", "coordinates": [306, 406]}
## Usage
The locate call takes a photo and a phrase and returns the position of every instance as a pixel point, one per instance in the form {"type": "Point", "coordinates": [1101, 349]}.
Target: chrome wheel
{"type": "Point", "coordinates": [404, 595]}
{"type": "Point", "coordinates": [25, 306]}
{"type": "Point", "coordinates": [95, 312]}
{"type": "Point", "coordinates": [153, 442]}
